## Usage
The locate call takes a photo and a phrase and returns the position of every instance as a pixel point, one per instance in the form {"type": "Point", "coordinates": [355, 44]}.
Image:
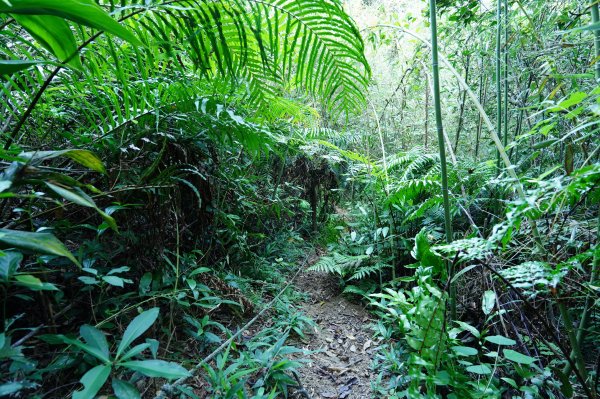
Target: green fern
{"type": "Point", "coordinates": [367, 270]}
{"type": "Point", "coordinates": [339, 264]}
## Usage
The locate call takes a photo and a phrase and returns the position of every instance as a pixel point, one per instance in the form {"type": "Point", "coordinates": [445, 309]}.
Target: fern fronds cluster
{"type": "Point", "coordinates": [350, 267]}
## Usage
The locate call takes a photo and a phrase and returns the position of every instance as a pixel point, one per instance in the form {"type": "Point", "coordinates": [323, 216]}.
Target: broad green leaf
{"type": "Point", "coordinates": [9, 264]}
{"type": "Point", "coordinates": [83, 157]}
{"type": "Point", "coordinates": [34, 283]}
{"type": "Point", "coordinates": [464, 350]}
{"type": "Point", "coordinates": [88, 280]}
{"type": "Point", "coordinates": [574, 99]}
{"type": "Point", "coordinates": [463, 271]}
{"type": "Point", "coordinates": [10, 388]}
{"type": "Point", "coordinates": [467, 327]}
{"type": "Point", "coordinates": [199, 271]}
{"type": "Point", "coordinates": [114, 281]}
{"type": "Point", "coordinates": [41, 243]}
{"type": "Point", "coordinates": [482, 369]}
{"type": "Point", "coordinates": [124, 390]}
{"type": "Point", "coordinates": [92, 350]}
{"type": "Point", "coordinates": [54, 34]}
{"type": "Point", "coordinates": [136, 350]}
{"type": "Point", "coordinates": [500, 340]}
{"type": "Point", "coordinates": [77, 196]}
{"type": "Point", "coordinates": [8, 67]}
{"type": "Point", "coordinates": [488, 302]}
{"type": "Point", "coordinates": [94, 338]}
{"type": "Point", "coordinates": [84, 12]}
{"type": "Point", "coordinates": [5, 185]}
{"type": "Point", "coordinates": [157, 368]}
{"type": "Point", "coordinates": [92, 381]}
{"type": "Point", "coordinates": [118, 270]}
{"type": "Point", "coordinates": [518, 357]}
{"type": "Point", "coordinates": [137, 327]}
{"type": "Point", "coordinates": [511, 382]}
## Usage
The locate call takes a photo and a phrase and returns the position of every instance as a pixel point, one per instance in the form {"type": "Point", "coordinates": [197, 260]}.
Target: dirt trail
{"type": "Point", "coordinates": [340, 367]}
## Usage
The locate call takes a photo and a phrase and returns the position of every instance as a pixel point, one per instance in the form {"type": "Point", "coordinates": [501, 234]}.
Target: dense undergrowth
{"type": "Point", "coordinates": [168, 165]}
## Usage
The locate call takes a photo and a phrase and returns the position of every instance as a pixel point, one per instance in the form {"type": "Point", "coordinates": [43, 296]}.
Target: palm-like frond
{"type": "Point", "coordinates": [265, 50]}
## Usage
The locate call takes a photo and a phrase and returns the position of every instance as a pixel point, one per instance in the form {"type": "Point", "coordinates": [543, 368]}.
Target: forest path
{"type": "Point", "coordinates": [341, 341]}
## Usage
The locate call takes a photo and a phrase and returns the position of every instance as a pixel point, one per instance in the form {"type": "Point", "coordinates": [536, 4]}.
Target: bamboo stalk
{"type": "Point", "coordinates": [595, 20]}
{"type": "Point", "coordinates": [506, 15]}
{"type": "Point", "coordinates": [442, 147]}
{"type": "Point", "coordinates": [498, 73]}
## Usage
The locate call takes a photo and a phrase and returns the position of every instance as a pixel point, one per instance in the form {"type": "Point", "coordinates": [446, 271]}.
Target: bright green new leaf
{"type": "Point", "coordinates": [157, 368]}
{"type": "Point", "coordinates": [124, 390]}
{"type": "Point", "coordinates": [8, 67]}
{"type": "Point", "coordinates": [518, 357]}
{"type": "Point", "coordinates": [92, 381]}
{"type": "Point", "coordinates": [84, 12]}
{"type": "Point", "coordinates": [574, 99]}
{"type": "Point", "coordinates": [54, 34]}
{"type": "Point", "coordinates": [137, 327]}
{"type": "Point", "coordinates": [41, 243]}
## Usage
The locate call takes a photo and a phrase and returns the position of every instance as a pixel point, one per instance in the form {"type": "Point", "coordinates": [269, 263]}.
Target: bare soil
{"type": "Point", "coordinates": [339, 367]}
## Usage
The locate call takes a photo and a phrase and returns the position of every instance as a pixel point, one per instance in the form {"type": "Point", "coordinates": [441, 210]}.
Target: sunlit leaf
{"type": "Point", "coordinates": [84, 12]}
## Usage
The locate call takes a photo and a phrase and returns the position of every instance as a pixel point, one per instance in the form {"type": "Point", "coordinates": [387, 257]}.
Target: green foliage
{"type": "Point", "coordinates": [95, 344]}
